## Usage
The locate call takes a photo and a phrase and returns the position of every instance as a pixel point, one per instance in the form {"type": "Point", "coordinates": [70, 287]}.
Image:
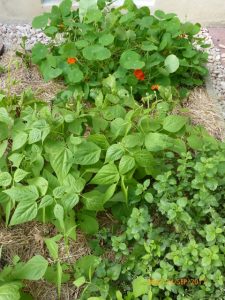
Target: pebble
{"type": "Point", "coordinates": [11, 35]}
{"type": "Point", "coordinates": [216, 68]}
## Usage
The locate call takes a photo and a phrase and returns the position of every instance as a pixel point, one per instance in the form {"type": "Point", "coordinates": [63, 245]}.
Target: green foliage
{"type": "Point", "coordinates": [160, 177]}
{"type": "Point", "coordinates": [109, 145]}
{"type": "Point", "coordinates": [104, 41]}
{"type": "Point", "coordinates": [11, 276]}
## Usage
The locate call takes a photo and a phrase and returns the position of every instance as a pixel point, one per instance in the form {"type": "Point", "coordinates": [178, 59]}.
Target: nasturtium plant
{"type": "Point", "coordinates": [142, 50]}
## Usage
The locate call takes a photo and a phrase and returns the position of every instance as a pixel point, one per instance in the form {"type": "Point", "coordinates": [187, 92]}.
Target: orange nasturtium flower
{"type": "Point", "coordinates": [155, 87]}
{"type": "Point", "coordinates": [139, 74]}
{"type": "Point", "coordinates": [71, 60]}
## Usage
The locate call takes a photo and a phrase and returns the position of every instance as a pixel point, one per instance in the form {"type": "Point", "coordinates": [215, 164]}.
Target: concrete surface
{"type": "Point", "coordinates": [204, 11]}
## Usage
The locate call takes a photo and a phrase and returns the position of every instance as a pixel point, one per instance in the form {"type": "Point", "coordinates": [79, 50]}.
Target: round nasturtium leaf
{"type": "Point", "coordinates": [148, 46]}
{"type": "Point", "coordinates": [96, 52]}
{"type": "Point", "coordinates": [81, 44]}
{"type": "Point", "coordinates": [106, 39]}
{"type": "Point", "coordinates": [172, 63]}
{"type": "Point", "coordinates": [75, 75]}
{"type": "Point", "coordinates": [131, 60]}
{"type": "Point", "coordinates": [40, 21]}
{"type": "Point", "coordinates": [68, 50]}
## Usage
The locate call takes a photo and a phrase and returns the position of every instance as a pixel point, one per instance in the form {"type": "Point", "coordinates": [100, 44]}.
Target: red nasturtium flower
{"type": "Point", "coordinates": [155, 87]}
{"type": "Point", "coordinates": [139, 74]}
{"type": "Point", "coordinates": [71, 60]}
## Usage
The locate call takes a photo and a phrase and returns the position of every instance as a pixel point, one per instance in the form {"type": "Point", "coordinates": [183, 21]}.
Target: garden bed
{"type": "Point", "coordinates": [28, 240]}
{"type": "Point", "coordinates": [112, 175]}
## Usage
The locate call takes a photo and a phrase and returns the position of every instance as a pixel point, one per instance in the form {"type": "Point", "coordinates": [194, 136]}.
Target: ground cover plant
{"type": "Point", "coordinates": [141, 50]}
{"type": "Point", "coordinates": [113, 146]}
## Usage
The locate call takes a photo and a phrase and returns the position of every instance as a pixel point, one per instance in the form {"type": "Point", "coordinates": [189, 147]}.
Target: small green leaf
{"type": "Point", "coordinates": [96, 52]}
{"type": "Point", "coordinates": [51, 30]}
{"type": "Point", "coordinates": [174, 123]}
{"type": "Point", "coordinates": [114, 152]}
{"type": "Point", "coordinates": [39, 52]}
{"type": "Point", "coordinates": [87, 264]}
{"type": "Point", "coordinates": [34, 269]}
{"type": "Point", "coordinates": [93, 15]}
{"type": "Point", "coordinates": [75, 75]}
{"type": "Point", "coordinates": [133, 140]}
{"type": "Point", "coordinates": [59, 214]}
{"type": "Point", "coordinates": [172, 63]}
{"type": "Point", "coordinates": [131, 60]}
{"type": "Point", "coordinates": [85, 5]}
{"type": "Point", "coordinates": [5, 117]}
{"type": "Point", "coordinates": [70, 200]}
{"type": "Point", "coordinates": [127, 163]}
{"type": "Point", "coordinates": [3, 147]}
{"type": "Point", "coordinates": [24, 212]}
{"type": "Point", "coordinates": [148, 197]}
{"type": "Point", "coordinates": [46, 201]}
{"type": "Point", "coordinates": [16, 159]}
{"type": "Point", "coordinates": [41, 184]}
{"type": "Point", "coordinates": [94, 200]}
{"type": "Point", "coordinates": [10, 291]}
{"type": "Point", "coordinates": [140, 286]}
{"type": "Point", "coordinates": [88, 224]}
{"type": "Point", "coordinates": [108, 174]}
{"type": "Point", "coordinates": [79, 281]}
{"type": "Point", "coordinates": [114, 272]}
{"type": "Point", "coordinates": [65, 7]}
{"type": "Point", "coordinates": [53, 248]}
{"type": "Point", "coordinates": [23, 193]}
{"type": "Point", "coordinates": [20, 175]}
{"type": "Point", "coordinates": [5, 179]}
{"type": "Point", "coordinates": [157, 141]}
{"type": "Point", "coordinates": [86, 153]}
{"type": "Point", "coordinates": [147, 46]}
{"type": "Point", "coordinates": [106, 39]}
{"type": "Point", "coordinates": [34, 136]}
{"type": "Point", "coordinates": [19, 140]}
{"type": "Point", "coordinates": [40, 21]}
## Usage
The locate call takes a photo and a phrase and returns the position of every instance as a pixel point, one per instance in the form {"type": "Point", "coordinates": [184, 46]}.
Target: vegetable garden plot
{"type": "Point", "coordinates": [129, 194]}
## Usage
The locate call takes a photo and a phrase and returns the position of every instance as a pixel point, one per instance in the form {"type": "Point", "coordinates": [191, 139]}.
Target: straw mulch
{"type": "Point", "coordinates": [203, 111]}
{"type": "Point", "coordinates": [17, 78]}
{"type": "Point", "coordinates": [27, 240]}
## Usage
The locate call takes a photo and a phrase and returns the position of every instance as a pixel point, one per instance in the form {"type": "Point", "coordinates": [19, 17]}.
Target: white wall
{"type": "Point", "coordinates": [204, 11]}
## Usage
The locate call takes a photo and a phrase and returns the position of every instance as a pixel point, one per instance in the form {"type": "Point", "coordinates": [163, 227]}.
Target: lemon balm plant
{"type": "Point", "coordinates": [141, 50]}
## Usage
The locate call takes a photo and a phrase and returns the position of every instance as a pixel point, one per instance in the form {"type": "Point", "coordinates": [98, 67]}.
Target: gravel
{"type": "Point", "coordinates": [216, 68]}
{"type": "Point", "coordinates": [11, 36]}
